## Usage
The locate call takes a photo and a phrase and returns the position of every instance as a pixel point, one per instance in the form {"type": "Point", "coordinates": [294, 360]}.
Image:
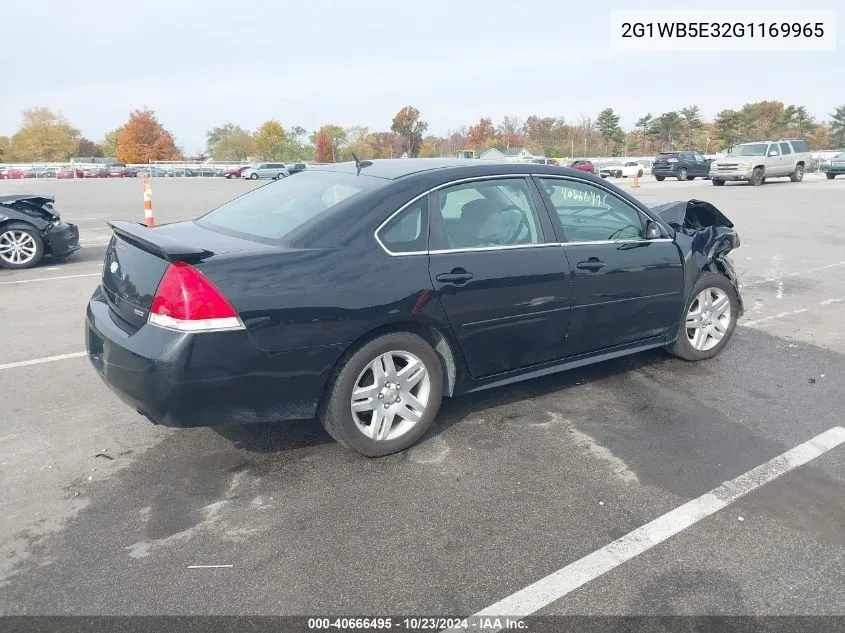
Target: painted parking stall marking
{"type": "Point", "coordinates": [40, 361]}
{"type": "Point", "coordinates": [566, 580]}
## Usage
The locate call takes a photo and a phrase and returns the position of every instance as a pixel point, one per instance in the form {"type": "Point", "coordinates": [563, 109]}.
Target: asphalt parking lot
{"type": "Point", "coordinates": [104, 513]}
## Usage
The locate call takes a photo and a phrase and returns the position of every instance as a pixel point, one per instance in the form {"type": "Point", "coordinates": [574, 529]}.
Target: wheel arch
{"type": "Point", "coordinates": [440, 341]}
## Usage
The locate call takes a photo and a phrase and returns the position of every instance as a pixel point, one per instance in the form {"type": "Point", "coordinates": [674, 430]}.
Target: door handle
{"type": "Point", "coordinates": [593, 264]}
{"type": "Point", "coordinates": [457, 276]}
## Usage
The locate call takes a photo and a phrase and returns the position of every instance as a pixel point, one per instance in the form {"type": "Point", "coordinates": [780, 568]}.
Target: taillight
{"type": "Point", "coordinates": [186, 300]}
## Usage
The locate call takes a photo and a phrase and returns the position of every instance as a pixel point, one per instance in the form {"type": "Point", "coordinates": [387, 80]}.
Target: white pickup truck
{"type": "Point", "coordinates": [758, 160]}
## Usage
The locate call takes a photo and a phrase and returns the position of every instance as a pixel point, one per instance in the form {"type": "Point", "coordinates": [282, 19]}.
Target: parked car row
{"type": "Point", "coordinates": [115, 170]}
{"type": "Point", "coordinates": [274, 171]}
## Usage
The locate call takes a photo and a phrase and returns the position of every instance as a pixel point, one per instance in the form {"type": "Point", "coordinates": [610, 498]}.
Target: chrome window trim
{"type": "Point", "coordinates": [506, 247]}
{"type": "Point", "coordinates": [437, 188]}
{"type": "Point", "coordinates": [605, 189]}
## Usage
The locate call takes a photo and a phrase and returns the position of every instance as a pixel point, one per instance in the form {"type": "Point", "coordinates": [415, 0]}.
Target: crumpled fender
{"type": "Point", "coordinates": [704, 234]}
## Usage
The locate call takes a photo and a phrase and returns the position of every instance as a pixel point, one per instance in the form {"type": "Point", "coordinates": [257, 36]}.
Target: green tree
{"type": "Point", "coordinates": [805, 123]}
{"type": "Point", "coordinates": [43, 136]}
{"type": "Point", "coordinates": [228, 142]}
{"type": "Point", "coordinates": [836, 127]}
{"type": "Point", "coordinates": [728, 128]}
{"type": "Point", "coordinates": [410, 128]}
{"type": "Point", "coordinates": [667, 128]}
{"type": "Point", "coordinates": [109, 144]}
{"type": "Point", "coordinates": [692, 123]}
{"type": "Point", "coordinates": [607, 123]}
{"type": "Point", "coordinates": [643, 123]}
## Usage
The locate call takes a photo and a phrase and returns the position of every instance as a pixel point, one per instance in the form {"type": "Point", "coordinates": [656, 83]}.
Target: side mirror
{"type": "Point", "coordinates": [653, 230]}
{"type": "Point", "coordinates": [773, 153]}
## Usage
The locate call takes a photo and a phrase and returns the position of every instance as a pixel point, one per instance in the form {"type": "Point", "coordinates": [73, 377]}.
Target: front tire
{"type": "Point", "coordinates": [20, 246]}
{"type": "Point", "coordinates": [830, 176]}
{"type": "Point", "coordinates": [798, 174]}
{"type": "Point", "coordinates": [718, 183]}
{"type": "Point", "coordinates": [659, 178]}
{"type": "Point", "coordinates": [709, 320]}
{"type": "Point", "coordinates": [757, 177]}
{"type": "Point", "coordinates": [253, 176]}
{"type": "Point", "coordinates": [385, 395]}
{"type": "Point", "coordinates": [682, 173]}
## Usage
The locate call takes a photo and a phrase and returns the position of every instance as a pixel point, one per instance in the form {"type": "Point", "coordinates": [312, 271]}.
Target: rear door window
{"type": "Point", "coordinates": [784, 148]}
{"type": "Point", "coordinates": [407, 232]}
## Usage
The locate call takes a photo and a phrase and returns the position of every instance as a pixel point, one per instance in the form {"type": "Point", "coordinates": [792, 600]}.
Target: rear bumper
{"type": "Point", "coordinates": [664, 171]}
{"type": "Point", "coordinates": [208, 379]}
{"type": "Point", "coordinates": [62, 239]}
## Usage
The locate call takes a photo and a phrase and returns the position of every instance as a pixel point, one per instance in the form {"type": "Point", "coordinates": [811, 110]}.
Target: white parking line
{"type": "Point", "coordinates": [777, 278]}
{"type": "Point", "coordinates": [39, 361]}
{"type": "Point", "coordinates": [26, 281]}
{"type": "Point", "coordinates": [780, 315]}
{"type": "Point", "coordinates": [566, 580]}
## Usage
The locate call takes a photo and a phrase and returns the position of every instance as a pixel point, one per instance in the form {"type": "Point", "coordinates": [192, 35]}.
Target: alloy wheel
{"type": "Point", "coordinates": [708, 319]}
{"type": "Point", "coordinates": [17, 247]}
{"type": "Point", "coordinates": [390, 395]}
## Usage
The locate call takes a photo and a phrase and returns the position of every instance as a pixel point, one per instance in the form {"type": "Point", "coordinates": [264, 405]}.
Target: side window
{"type": "Point", "coordinates": [784, 149]}
{"type": "Point", "coordinates": [487, 213]}
{"type": "Point", "coordinates": [699, 158]}
{"type": "Point", "coordinates": [800, 146]}
{"type": "Point", "coordinates": [590, 214]}
{"type": "Point", "coordinates": [773, 150]}
{"type": "Point", "coordinates": [408, 231]}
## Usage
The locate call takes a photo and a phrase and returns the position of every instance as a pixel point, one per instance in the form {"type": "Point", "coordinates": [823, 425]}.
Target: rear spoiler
{"type": "Point", "coordinates": [158, 244]}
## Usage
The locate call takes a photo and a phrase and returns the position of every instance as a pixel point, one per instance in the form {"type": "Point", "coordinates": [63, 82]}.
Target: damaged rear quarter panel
{"type": "Point", "coordinates": [705, 236]}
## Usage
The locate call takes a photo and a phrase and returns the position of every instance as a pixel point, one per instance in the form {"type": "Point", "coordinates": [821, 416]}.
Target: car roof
{"type": "Point", "coordinates": [13, 197]}
{"type": "Point", "coordinates": [394, 168]}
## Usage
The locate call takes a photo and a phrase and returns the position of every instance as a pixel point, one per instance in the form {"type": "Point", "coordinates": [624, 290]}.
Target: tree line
{"type": "Point", "coordinates": [46, 136]}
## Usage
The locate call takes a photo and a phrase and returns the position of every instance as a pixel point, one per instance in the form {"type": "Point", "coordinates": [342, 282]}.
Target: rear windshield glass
{"type": "Point", "coordinates": [752, 149]}
{"type": "Point", "coordinates": [271, 212]}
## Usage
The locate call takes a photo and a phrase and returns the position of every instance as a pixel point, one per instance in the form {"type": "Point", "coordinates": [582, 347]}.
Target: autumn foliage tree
{"type": "Point", "coordinates": [144, 139]}
{"type": "Point", "coordinates": [43, 136]}
{"type": "Point", "coordinates": [410, 128]}
{"type": "Point", "coordinates": [88, 148]}
{"type": "Point", "coordinates": [324, 148]}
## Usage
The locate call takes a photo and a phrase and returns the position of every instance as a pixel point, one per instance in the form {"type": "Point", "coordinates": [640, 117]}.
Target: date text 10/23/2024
{"type": "Point", "coordinates": [723, 31]}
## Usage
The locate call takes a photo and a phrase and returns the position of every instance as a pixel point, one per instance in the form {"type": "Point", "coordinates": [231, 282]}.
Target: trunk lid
{"type": "Point", "coordinates": [137, 257]}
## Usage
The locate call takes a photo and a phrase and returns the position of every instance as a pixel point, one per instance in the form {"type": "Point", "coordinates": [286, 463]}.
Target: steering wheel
{"type": "Point", "coordinates": [511, 237]}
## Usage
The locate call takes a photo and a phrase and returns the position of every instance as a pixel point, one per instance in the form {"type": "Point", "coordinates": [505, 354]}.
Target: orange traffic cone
{"type": "Point", "coordinates": [148, 203]}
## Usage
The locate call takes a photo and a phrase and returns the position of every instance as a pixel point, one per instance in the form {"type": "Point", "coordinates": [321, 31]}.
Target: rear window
{"type": "Point", "coordinates": [270, 213]}
{"type": "Point", "coordinates": [800, 146]}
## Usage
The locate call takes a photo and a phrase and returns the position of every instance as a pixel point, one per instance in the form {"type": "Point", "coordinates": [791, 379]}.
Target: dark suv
{"type": "Point", "coordinates": [681, 165]}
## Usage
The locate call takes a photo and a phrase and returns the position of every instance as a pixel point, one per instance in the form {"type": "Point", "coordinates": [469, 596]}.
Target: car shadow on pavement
{"type": "Point", "coordinates": [275, 437]}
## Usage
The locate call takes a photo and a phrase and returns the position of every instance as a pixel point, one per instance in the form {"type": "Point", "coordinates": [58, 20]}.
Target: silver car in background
{"type": "Point", "coordinates": [265, 170]}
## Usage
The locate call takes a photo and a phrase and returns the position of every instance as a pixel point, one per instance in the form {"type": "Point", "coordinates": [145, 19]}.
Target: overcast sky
{"type": "Point", "coordinates": [202, 63]}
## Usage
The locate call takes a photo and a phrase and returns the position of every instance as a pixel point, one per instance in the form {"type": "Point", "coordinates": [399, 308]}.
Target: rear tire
{"type": "Point", "coordinates": [352, 430]}
{"type": "Point", "coordinates": [718, 183]}
{"type": "Point", "coordinates": [709, 284]}
{"type": "Point", "coordinates": [682, 174]}
{"type": "Point", "coordinates": [798, 174]}
{"type": "Point", "coordinates": [830, 176]}
{"type": "Point", "coordinates": [757, 177]}
{"type": "Point", "coordinates": [659, 178]}
{"type": "Point", "coordinates": [640, 174]}
{"type": "Point", "coordinates": [30, 247]}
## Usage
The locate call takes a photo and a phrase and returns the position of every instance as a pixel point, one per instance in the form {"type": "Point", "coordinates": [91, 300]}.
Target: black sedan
{"type": "Point", "coordinates": [363, 293]}
{"type": "Point", "coordinates": [30, 228]}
